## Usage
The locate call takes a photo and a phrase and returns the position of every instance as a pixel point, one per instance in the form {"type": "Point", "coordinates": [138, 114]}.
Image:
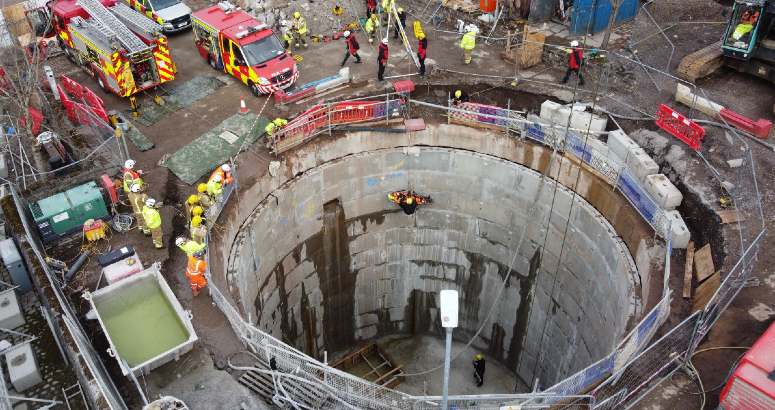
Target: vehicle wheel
{"type": "Point", "coordinates": [101, 82]}
{"type": "Point", "coordinates": [254, 89]}
{"type": "Point", "coordinates": [70, 55]}
{"type": "Point", "coordinates": [212, 62]}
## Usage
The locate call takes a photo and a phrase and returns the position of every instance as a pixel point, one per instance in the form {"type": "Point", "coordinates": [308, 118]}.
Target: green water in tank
{"type": "Point", "coordinates": [141, 322]}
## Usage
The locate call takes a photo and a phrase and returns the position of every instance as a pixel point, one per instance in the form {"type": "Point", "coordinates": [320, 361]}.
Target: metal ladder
{"type": "Point", "coordinates": [147, 25]}
{"type": "Point", "coordinates": [120, 32]}
{"type": "Point", "coordinates": [404, 38]}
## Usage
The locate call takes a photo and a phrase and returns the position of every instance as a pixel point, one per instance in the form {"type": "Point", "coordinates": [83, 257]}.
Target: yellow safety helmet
{"type": "Point", "coordinates": [197, 211]}
{"type": "Point", "coordinates": [202, 188]}
{"type": "Point", "coordinates": [409, 201]}
{"type": "Point", "coordinates": [420, 36]}
{"type": "Point", "coordinates": [457, 94]}
{"type": "Point", "coordinates": [400, 10]}
{"type": "Point", "coordinates": [296, 15]}
{"type": "Point", "coordinates": [196, 221]}
{"type": "Point", "coordinates": [478, 357]}
{"type": "Point", "coordinates": [193, 199]}
{"type": "Point", "coordinates": [373, 16]}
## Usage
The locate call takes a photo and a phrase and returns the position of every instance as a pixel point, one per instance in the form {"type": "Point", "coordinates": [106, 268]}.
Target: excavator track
{"type": "Point", "coordinates": [701, 63]}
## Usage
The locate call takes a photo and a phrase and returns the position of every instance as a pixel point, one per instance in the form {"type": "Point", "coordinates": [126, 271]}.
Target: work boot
{"type": "Point", "coordinates": [297, 46]}
{"type": "Point", "coordinates": [581, 83]}
{"type": "Point", "coordinates": [371, 40]}
{"type": "Point", "coordinates": [342, 65]}
{"type": "Point", "coordinates": [305, 46]}
{"type": "Point", "coordinates": [563, 82]}
{"type": "Point", "coordinates": [421, 75]}
{"type": "Point", "coordinates": [358, 61]}
{"type": "Point", "coordinates": [382, 82]}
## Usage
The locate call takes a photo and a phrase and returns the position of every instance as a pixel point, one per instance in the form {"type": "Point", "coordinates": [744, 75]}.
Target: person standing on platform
{"type": "Point", "coordinates": [383, 59]}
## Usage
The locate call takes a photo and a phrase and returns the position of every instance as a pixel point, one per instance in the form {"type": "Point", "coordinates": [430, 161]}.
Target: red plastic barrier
{"type": "Point", "coordinates": [280, 97]}
{"type": "Point", "coordinates": [680, 126]}
{"type": "Point", "coordinates": [352, 111]}
{"type": "Point", "coordinates": [71, 86]}
{"type": "Point", "coordinates": [304, 124]}
{"type": "Point", "coordinates": [37, 118]}
{"type": "Point", "coordinates": [759, 129]}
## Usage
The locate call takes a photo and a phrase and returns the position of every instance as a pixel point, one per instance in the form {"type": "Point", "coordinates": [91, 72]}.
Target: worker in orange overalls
{"type": "Point", "coordinates": [196, 271]}
{"type": "Point", "coordinates": [225, 172]}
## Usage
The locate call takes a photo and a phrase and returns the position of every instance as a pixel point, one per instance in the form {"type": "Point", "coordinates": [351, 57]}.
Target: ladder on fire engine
{"type": "Point", "coordinates": [111, 27]}
{"type": "Point", "coordinates": [404, 39]}
{"type": "Point", "coordinates": [146, 24]}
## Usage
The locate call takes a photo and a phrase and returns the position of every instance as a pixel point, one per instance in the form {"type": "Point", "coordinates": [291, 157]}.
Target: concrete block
{"type": "Point", "coordinates": [585, 120]}
{"type": "Point", "coordinates": [344, 78]}
{"type": "Point", "coordinates": [23, 367]}
{"type": "Point", "coordinates": [683, 95]}
{"type": "Point", "coordinates": [548, 108]}
{"type": "Point", "coordinates": [641, 164]}
{"type": "Point", "coordinates": [680, 231]}
{"type": "Point", "coordinates": [10, 310]}
{"type": "Point", "coordinates": [734, 163]}
{"type": "Point", "coordinates": [663, 191]}
{"type": "Point", "coordinates": [620, 144]}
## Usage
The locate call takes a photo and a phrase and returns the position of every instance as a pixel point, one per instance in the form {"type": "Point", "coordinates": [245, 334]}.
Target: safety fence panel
{"type": "Point", "coordinates": [609, 166]}
{"type": "Point", "coordinates": [680, 127]}
{"type": "Point", "coordinates": [642, 201]}
{"type": "Point", "coordinates": [534, 401]}
{"type": "Point", "coordinates": [474, 109]}
{"type": "Point", "coordinates": [5, 402]}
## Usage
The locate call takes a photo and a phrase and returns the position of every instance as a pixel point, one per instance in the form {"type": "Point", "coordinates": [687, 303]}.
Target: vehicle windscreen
{"type": "Point", "coordinates": [263, 50]}
{"type": "Point", "coordinates": [742, 26]}
{"type": "Point", "coordinates": [163, 4]}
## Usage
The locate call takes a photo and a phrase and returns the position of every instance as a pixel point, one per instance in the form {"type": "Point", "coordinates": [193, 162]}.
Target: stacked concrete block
{"type": "Point", "coordinates": [549, 108]}
{"type": "Point", "coordinates": [680, 231]}
{"type": "Point", "coordinates": [11, 315]}
{"type": "Point", "coordinates": [344, 78]}
{"type": "Point", "coordinates": [641, 164]}
{"type": "Point", "coordinates": [620, 144]}
{"type": "Point", "coordinates": [663, 191]}
{"type": "Point", "coordinates": [587, 121]}
{"type": "Point", "coordinates": [683, 95]}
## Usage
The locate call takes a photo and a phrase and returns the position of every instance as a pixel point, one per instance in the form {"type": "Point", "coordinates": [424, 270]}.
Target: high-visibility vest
{"type": "Point", "coordinates": [280, 122]}
{"type": "Point", "coordinates": [214, 188]}
{"type": "Point", "coordinates": [138, 201]}
{"type": "Point", "coordinates": [131, 177]}
{"type": "Point", "coordinates": [741, 30]}
{"type": "Point", "coordinates": [190, 247]}
{"type": "Point", "coordinates": [371, 24]}
{"type": "Point", "coordinates": [152, 217]}
{"type": "Point", "coordinates": [195, 267]}
{"type": "Point", "coordinates": [287, 35]}
{"type": "Point", "coordinates": [301, 25]}
{"type": "Point", "coordinates": [469, 41]}
{"type": "Point", "coordinates": [225, 176]}
{"type": "Point", "coordinates": [386, 6]}
{"type": "Point", "coordinates": [269, 128]}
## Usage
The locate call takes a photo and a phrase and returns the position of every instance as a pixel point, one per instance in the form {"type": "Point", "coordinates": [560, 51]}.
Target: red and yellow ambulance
{"type": "Point", "coordinates": [233, 41]}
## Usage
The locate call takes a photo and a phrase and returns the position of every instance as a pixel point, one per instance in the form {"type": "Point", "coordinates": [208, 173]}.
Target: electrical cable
{"type": "Point", "coordinates": [698, 383]}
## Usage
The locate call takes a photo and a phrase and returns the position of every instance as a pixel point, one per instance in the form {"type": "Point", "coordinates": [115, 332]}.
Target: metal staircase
{"type": "Point", "coordinates": [110, 26]}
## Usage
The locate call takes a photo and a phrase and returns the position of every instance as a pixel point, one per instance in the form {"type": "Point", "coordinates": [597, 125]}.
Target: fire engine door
{"type": "Point", "coordinates": [40, 21]}
{"type": "Point", "coordinates": [233, 61]}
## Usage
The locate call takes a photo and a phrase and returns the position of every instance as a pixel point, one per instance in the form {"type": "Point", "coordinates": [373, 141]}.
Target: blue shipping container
{"type": "Point", "coordinates": [591, 16]}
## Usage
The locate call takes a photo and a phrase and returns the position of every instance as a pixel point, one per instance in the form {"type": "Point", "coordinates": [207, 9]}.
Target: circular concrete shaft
{"type": "Point", "coordinates": [332, 261]}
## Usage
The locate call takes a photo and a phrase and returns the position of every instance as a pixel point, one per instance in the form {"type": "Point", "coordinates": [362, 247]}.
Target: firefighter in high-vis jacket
{"type": "Point", "coordinates": [153, 220]}
{"type": "Point", "coordinates": [287, 35]}
{"type": "Point", "coordinates": [299, 29]}
{"type": "Point", "coordinates": [275, 126]}
{"type": "Point", "coordinates": [198, 229]}
{"type": "Point", "coordinates": [468, 43]}
{"type": "Point", "coordinates": [137, 199]}
{"type": "Point", "coordinates": [130, 176]}
{"type": "Point", "coordinates": [188, 246]}
{"type": "Point", "coordinates": [371, 27]}
{"type": "Point", "coordinates": [195, 271]}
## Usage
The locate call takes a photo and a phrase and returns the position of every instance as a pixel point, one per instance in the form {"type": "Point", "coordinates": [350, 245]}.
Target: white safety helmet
{"type": "Point", "coordinates": [347, 34]}
{"type": "Point", "coordinates": [135, 188]}
{"type": "Point", "coordinates": [574, 43]}
{"type": "Point", "coordinates": [475, 29]}
{"type": "Point", "coordinates": [130, 163]}
{"type": "Point", "coordinates": [225, 168]}
{"type": "Point", "coordinates": [150, 202]}
{"type": "Point", "coordinates": [180, 241]}
{"type": "Point", "coordinates": [217, 178]}
{"type": "Point", "coordinates": [385, 40]}
{"type": "Point", "coordinates": [284, 23]}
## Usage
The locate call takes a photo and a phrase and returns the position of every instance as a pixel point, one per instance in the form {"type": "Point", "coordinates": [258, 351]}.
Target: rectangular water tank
{"type": "Point", "coordinates": [13, 261]}
{"type": "Point", "coordinates": [23, 367]}
{"type": "Point", "coordinates": [11, 315]}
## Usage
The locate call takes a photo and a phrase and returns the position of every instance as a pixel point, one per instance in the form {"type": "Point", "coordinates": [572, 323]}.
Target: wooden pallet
{"type": "Point", "coordinates": [461, 5]}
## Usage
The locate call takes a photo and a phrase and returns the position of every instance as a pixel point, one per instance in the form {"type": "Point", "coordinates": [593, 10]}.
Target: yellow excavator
{"type": "Point", "coordinates": [748, 45]}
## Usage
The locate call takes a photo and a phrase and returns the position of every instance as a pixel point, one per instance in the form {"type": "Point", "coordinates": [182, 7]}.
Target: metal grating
{"type": "Point", "coordinates": [121, 9]}
{"type": "Point", "coordinates": [743, 396]}
{"type": "Point", "coordinates": [128, 39]}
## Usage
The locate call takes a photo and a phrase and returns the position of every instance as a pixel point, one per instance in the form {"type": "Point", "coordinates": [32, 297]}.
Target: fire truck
{"type": "Point", "coordinates": [233, 41]}
{"type": "Point", "coordinates": [124, 51]}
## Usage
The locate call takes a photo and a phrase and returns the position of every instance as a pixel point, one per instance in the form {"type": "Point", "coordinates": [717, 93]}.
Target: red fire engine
{"type": "Point", "coordinates": [240, 45]}
{"type": "Point", "coordinates": [124, 51]}
{"type": "Point", "coordinates": [752, 385]}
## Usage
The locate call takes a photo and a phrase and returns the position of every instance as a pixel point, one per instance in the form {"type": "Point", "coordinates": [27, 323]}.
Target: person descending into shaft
{"type": "Point", "coordinates": [352, 48]}
{"type": "Point", "coordinates": [275, 126]}
{"type": "Point", "coordinates": [191, 203]}
{"type": "Point", "coordinates": [479, 370]}
{"type": "Point", "coordinates": [214, 187]}
{"type": "Point", "coordinates": [205, 200]}
{"type": "Point", "coordinates": [153, 219]}
{"type": "Point", "coordinates": [137, 199]}
{"type": "Point", "coordinates": [468, 43]}
{"type": "Point", "coordinates": [371, 27]}
{"type": "Point", "coordinates": [188, 246]}
{"type": "Point", "coordinates": [402, 20]}
{"type": "Point", "coordinates": [195, 271]}
{"type": "Point", "coordinates": [225, 172]}
{"type": "Point", "coordinates": [382, 59]}
{"type": "Point", "coordinates": [408, 201]}
{"type": "Point", "coordinates": [130, 176]}
{"type": "Point", "coordinates": [287, 35]}
{"type": "Point", "coordinates": [460, 97]}
{"type": "Point", "coordinates": [198, 229]}
{"type": "Point", "coordinates": [300, 29]}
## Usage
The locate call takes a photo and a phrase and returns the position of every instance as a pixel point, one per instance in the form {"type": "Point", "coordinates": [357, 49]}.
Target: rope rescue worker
{"type": "Point", "coordinates": [287, 35]}
{"type": "Point", "coordinates": [407, 201]}
{"type": "Point", "coordinates": [205, 201]}
{"type": "Point", "coordinates": [275, 126]}
{"type": "Point", "coordinates": [153, 219]}
{"type": "Point", "coordinates": [214, 187]}
{"type": "Point", "coordinates": [130, 176]}
{"type": "Point", "coordinates": [191, 203]}
{"type": "Point", "coordinates": [300, 29]}
{"type": "Point", "coordinates": [371, 27]}
{"type": "Point", "coordinates": [460, 97]}
{"type": "Point", "coordinates": [575, 63]}
{"type": "Point", "coordinates": [422, 51]}
{"type": "Point", "coordinates": [371, 9]}
{"type": "Point", "coordinates": [137, 199]}
{"type": "Point", "coordinates": [352, 48]}
{"type": "Point", "coordinates": [195, 271]}
{"type": "Point", "coordinates": [479, 370]}
{"type": "Point", "coordinates": [225, 172]}
{"type": "Point", "coordinates": [382, 58]}
{"type": "Point", "coordinates": [402, 19]}
{"type": "Point", "coordinates": [198, 229]}
{"type": "Point", "coordinates": [188, 246]}
{"type": "Point", "coordinates": [468, 43]}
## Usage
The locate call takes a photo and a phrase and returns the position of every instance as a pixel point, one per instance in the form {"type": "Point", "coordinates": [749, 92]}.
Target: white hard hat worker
{"type": "Point", "coordinates": [225, 168]}
{"type": "Point", "coordinates": [135, 188]}
{"type": "Point", "coordinates": [574, 43]}
{"type": "Point", "coordinates": [284, 23]}
{"type": "Point", "coordinates": [385, 40]}
{"type": "Point", "coordinates": [150, 202]}
{"type": "Point", "coordinates": [180, 241]}
{"type": "Point", "coordinates": [130, 164]}
{"type": "Point", "coordinates": [347, 34]}
{"type": "Point", "coordinates": [217, 178]}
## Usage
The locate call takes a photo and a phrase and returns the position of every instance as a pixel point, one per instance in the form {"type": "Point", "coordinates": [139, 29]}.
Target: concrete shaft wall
{"type": "Point", "coordinates": [332, 262]}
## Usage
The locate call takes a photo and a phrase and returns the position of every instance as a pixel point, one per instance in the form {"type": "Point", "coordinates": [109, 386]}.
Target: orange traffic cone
{"type": "Point", "coordinates": [242, 108]}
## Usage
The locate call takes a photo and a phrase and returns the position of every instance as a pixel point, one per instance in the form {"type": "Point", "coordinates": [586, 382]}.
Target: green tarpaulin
{"type": "Point", "coordinates": [133, 133]}
{"type": "Point", "coordinates": [216, 146]}
{"type": "Point", "coordinates": [176, 99]}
